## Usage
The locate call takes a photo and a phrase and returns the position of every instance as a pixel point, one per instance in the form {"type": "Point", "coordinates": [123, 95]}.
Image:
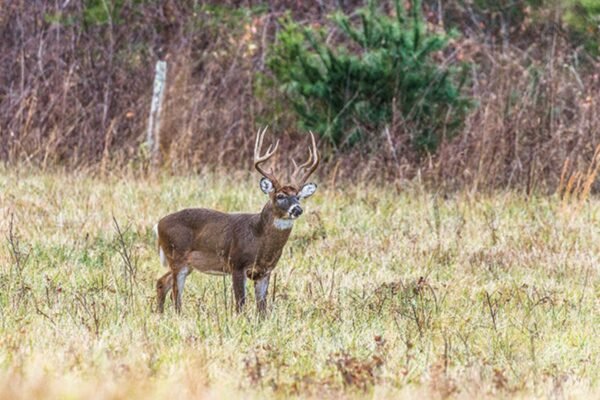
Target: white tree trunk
{"type": "Point", "coordinates": [153, 134]}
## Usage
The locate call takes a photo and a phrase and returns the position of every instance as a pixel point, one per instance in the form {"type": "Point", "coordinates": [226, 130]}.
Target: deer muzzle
{"type": "Point", "coordinates": [295, 211]}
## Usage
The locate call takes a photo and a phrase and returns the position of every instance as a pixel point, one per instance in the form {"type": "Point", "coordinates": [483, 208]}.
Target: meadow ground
{"type": "Point", "coordinates": [379, 293]}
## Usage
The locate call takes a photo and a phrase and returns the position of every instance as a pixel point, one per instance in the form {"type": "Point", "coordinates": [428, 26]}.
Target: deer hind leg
{"type": "Point", "coordinates": [163, 286]}
{"type": "Point", "coordinates": [239, 288]}
{"type": "Point", "coordinates": [179, 276]}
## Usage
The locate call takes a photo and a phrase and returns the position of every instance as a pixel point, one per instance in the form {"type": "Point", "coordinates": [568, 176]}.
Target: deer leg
{"type": "Point", "coordinates": [261, 288]}
{"type": "Point", "coordinates": [163, 285]}
{"type": "Point", "coordinates": [178, 285]}
{"type": "Point", "coordinates": [239, 289]}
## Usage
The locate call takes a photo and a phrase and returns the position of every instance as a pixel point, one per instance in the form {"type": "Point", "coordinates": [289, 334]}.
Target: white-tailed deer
{"type": "Point", "coordinates": [243, 245]}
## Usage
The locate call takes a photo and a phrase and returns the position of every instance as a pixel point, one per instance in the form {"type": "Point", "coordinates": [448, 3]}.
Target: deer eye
{"type": "Point", "coordinates": [280, 196]}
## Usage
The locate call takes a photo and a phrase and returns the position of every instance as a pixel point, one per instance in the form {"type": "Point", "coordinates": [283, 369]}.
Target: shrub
{"type": "Point", "coordinates": [583, 19]}
{"type": "Point", "coordinates": [510, 19]}
{"type": "Point", "coordinates": [380, 65]}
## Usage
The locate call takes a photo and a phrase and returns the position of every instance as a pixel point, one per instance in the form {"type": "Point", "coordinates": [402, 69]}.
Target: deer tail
{"type": "Point", "coordinates": [161, 253]}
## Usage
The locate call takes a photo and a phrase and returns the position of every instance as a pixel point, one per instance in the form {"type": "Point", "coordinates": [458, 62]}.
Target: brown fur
{"type": "Point", "coordinates": [243, 245]}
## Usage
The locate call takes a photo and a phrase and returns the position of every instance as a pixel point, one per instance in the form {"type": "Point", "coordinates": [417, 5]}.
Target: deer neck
{"type": "Point", "coordinates": [273, 226]}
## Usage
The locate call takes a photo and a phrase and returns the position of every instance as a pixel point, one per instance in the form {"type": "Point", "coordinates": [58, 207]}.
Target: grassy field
{"type": "Point", "coordinates": [379, 293]}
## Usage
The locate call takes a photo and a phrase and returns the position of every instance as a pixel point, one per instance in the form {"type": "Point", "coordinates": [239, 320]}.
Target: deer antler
{"type": "Point", "coordinates": [258, 159]}
{"type": "Point", "coordinates": [309, 166]}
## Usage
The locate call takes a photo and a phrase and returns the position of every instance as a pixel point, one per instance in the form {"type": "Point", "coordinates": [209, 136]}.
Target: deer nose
{"type": "Point", "coordinates": [295, 211]}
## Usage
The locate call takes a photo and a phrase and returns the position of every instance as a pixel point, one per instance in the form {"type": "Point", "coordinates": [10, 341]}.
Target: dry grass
{"type": "Point", "coordinates": [79, 96]}
{"type": "Point", "coordinates": [575, 187]}
{"type": "Point", "coordinates": [378, 294]}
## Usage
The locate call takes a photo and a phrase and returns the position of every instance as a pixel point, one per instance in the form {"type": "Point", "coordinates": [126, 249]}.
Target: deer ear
{"type": "Point", "coordinates": [266, 185]}
{"type": "Point", "coordinates": [307, 190]}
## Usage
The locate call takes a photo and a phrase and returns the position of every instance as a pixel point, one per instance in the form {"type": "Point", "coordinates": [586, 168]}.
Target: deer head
{"type": "Point", "coordinates": [286, 199]}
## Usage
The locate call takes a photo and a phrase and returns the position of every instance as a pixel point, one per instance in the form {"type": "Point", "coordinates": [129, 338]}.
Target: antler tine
{"type": "Point", "coordinates": [258, 144]}
{"type": "Point", "coordinates": [303, 166]}
{"type": "Point", "coordinates": [258, 159]}
{"type": "Point", "coordinates": [311, 164]}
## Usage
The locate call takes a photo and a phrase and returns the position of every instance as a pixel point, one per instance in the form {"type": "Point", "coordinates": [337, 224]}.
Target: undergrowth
{"type": "Point", "coordinates": [379, 293]}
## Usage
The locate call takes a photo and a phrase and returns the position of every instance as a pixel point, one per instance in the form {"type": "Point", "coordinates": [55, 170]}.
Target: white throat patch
{"type": "Point", "coordinates": [282, 224]}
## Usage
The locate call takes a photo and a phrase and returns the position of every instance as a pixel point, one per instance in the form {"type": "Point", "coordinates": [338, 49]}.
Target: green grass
{"type": "Point", "coordinates": [379, 293]}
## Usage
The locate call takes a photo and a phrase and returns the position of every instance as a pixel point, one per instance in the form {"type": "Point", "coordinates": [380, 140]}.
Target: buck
{"type": "Point", "coordinates": [243, 245]}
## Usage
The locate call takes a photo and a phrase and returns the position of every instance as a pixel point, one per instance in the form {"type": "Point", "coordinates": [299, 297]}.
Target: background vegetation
{"type": "Point", "coordinates": [399, 294]}
{"type": "Point", "coordinates": [386, 69]}
{"type": "Point", "coordinates": [452, 248]}
{"type": "Point", "coordinates": [76, 78]}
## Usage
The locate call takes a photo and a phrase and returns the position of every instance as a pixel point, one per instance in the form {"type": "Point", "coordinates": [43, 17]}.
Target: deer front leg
{"type": "Point", "coordinates": [261, 288]}
{"type": "Point", "coordinates": [239, 288]}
